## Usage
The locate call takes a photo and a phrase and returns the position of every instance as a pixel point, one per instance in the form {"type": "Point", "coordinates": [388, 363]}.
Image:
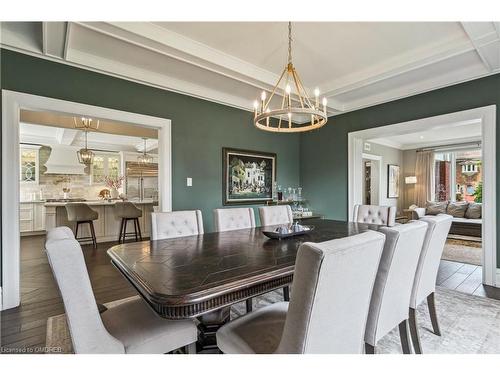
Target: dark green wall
{"type": "Point", "coordinates": [199, 128]}
{"type": "Point", "coordinates": [323, 153]}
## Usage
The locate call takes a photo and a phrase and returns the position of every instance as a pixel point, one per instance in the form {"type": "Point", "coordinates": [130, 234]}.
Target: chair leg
{"type": "Point", "coordinates": [139, 229]}
{"type": "Point", "coordinates": [369, 349]}
{"type": "Point", "coordinates": [286, 293]}
{"type": "Point", "coordinates": [94, 242]}
{"type": "Point", "coordinates": [121, 231]}
{"type": "Point", "coordinates": [249, 305]}
{"type": "Point", "coordinates": [135, 230]}
{"type": "Point", "coordinates": [414, 332]}
{"type": "Point", "coordinates": [432, 310]}
{"type": "Point", "coordinates": [191, 348]}
{"type": "Point", "coordinates": [76, 229]}
{"type": "Point", "coordinates": [403, 335]}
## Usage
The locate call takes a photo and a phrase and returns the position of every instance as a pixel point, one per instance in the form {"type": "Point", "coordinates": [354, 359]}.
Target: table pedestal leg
{"type": "Point", "coordinates": [209, 324]}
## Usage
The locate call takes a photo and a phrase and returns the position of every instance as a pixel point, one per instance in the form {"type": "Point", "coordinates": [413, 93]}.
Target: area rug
{"type": "Point", "coordinates": [463, 251]}
{"type": "Point", "coordinates": [469, 324]}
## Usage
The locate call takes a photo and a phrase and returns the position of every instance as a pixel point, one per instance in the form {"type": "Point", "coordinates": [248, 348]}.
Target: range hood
{"type": "Point", "coordinates": [63, 160]}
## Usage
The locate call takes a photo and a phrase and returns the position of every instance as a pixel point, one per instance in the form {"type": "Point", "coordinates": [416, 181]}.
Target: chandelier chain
{"type": "Point", "coordinates": [289, 42]}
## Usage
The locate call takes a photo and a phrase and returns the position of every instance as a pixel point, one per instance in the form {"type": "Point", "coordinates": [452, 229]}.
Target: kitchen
{"type": "Point", "coordinates": [65, 159]}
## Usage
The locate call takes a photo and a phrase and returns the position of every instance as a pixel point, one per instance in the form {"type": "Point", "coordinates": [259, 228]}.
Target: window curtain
{"type": "Point", "coordinates": [424, 171]}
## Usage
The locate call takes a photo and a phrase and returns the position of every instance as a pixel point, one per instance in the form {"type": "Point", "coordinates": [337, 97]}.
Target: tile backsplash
{"type": "Point", "coordinates": [51, 185]}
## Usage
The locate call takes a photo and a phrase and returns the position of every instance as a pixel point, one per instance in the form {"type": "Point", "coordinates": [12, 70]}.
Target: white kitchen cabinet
{"type": "Point", "coordinates": [31, 217]}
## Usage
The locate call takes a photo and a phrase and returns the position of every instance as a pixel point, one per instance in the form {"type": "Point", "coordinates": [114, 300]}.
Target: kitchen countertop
{"type": "Point", "coordinates": [98, 203]}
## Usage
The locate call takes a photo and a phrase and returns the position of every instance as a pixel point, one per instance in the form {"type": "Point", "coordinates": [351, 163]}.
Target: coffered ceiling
{"type": "Point", "coordinates": [355, 64]}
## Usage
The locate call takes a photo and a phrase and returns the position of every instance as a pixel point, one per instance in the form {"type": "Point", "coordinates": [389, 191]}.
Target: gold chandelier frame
{"type": "Point", "coordinates": [290, 77]}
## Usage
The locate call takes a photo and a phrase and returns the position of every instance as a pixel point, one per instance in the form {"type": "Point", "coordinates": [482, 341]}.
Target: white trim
{"type": "Point", "coordinates": [488, 138]}
{"type": "Point", "coordinates": [379, 177]}
{"type": "Point", "coordinates": [12, 103]}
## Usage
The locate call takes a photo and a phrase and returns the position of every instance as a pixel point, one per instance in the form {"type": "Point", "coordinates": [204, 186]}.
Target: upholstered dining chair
{"type": "Point", "coordinates": [176, 224]}
{"type": "Point", "coordinates": [424, 284]}
{"type": "Point", "coordinates": [380, 215]}
{"type": "Point", "coordinates": [226, 219]}
{"type": "Point", "coordinates": [233, 218]}
{"type": "Point", "coordinates": [130, 327]}
{"type": "Point", "coordinates": [275, 215]}
{"type": "Point", "coordinates": [394, 282]}
{"type": "Point", "coordinates": [323, 316]}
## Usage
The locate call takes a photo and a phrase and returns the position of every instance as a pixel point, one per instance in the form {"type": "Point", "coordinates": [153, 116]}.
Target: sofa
{"type": "Point", "coordinates": [467, 217]}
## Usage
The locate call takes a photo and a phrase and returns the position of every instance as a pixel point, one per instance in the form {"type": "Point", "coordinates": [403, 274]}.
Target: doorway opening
{"type": "Point", "coordinates": [464, 166]}
{"type": "Point", "coordinates": [14, 104]}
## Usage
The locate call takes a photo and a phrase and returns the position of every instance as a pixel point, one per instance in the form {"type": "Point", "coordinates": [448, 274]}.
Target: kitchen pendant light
{"type": "Point", "coordinates": [307, 114]}
{"type": "Point", "coordinates": [144, 158]}
{"type": "Point", "coordinates": [85, 156]}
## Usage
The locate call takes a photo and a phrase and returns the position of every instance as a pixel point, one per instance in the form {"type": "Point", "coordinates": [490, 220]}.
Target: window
{"type": "Point", "coordinates": [458, 175]}
{"type": "Point", "coordinates": [29, 164]}
{"type": "Point", "coordinates": [105, 164]}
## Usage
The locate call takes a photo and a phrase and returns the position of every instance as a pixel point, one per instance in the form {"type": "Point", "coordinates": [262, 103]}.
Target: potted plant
{"type": "Point", "coordinates": [114, 183]}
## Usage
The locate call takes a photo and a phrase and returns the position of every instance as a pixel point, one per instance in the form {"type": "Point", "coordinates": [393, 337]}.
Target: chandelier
{"type": "Point", "coordinates": [85, 156]}
{"type": "Point", "coordinates": [144, 158]}
{"type": "Point", "coordinates": [305, 111]}
{"type": "Point", "coordinates": [85, 124]}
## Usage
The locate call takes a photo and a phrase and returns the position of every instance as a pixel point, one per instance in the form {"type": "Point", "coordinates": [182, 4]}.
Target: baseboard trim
{"type": "Point", "coordinates": [497, 284]}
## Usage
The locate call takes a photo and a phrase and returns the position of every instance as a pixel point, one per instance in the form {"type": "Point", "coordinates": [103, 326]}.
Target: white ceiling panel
{"type": "Point", "coordinates": [355, 64]}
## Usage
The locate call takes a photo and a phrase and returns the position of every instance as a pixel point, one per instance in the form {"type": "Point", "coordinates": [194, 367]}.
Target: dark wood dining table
{"type": "Point", "coordinates": [188, 277]}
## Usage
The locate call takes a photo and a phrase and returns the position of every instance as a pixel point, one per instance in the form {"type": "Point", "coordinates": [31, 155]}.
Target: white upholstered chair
{"type": "Point", "coordinates": [176, 224]}
{"type": "Point", "coordinates": [323, 316]}
{"type": "Point", "coordinates": [275, 215]}
{"type": "Point", "coordinates": [233, 218]}
{"type": "Point", "coordinates": [131, 327]}
{"type": "Point", "coordinates": [424, 284]}
{"type": "Point", "coordinates": [394, 283]}
{"type": "Point", "coordinates": [380, 215]}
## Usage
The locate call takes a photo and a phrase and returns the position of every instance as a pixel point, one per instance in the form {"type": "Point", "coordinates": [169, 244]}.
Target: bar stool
{"type": "Point", "coordinates": [128, 211]}
{"type": "Point", "coordinates": [81, 213]}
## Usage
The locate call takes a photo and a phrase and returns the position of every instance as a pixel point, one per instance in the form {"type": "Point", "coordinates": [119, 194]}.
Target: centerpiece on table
{"type": "Point", "coordinates": [114, 183]}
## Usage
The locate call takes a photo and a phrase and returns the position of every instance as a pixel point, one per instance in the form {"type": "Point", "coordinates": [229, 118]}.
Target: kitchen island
{"type": "Point", "coordinates": [107, 226]}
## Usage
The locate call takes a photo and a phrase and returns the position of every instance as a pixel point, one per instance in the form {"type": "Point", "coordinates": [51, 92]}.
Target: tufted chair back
{"type": "Point", "coordinates": [80, 212]}
{"type": "Point", "coordinates": [275, 215]}
{"type": "Point", "coordinates": [59, 233]}
{"type": "Point", "coordinates": [395, 276]}
{"type": "Point", "coordinates": [430, 257]}
{"type": "Point", "coordinates": [176, 224]}
{"type": "Point", "coordinates": [380, 215]}
{"type": "Point", "coordinates": [233, 218]}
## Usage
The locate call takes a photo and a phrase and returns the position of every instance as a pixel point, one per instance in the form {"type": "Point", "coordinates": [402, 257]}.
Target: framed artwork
{"type": "Point", "coordinates": [393, 180]}
{"type": "Point", "coordinates": [247, 176]}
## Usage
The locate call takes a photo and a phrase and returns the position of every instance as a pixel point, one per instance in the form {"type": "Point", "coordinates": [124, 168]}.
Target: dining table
{"type": "Point", "coordinates": [188, 277]}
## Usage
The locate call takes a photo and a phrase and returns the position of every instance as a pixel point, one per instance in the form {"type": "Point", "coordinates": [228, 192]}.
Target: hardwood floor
{"type": "Point", "coordinates": [25, 326]}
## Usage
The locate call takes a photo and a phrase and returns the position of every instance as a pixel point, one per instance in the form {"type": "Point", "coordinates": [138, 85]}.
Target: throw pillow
{"type": "Point", "coordinates": [474, 211]}
{"type": "Point", "coordinates": [436, 208]}
{"type": "Point", "coordinates": [457, 209]}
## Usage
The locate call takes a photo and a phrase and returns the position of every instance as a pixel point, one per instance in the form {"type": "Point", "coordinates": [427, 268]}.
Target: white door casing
{"type": "Point", "coordinates": [12, 103]}
{"type": "Point", "coordinates": [487, 115]}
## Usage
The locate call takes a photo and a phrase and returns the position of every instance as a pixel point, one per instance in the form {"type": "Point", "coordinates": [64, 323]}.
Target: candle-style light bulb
{"type": "Point", "coordinates": [316, 94]}
{"type": "Point", "coordinates": [263, 100]}
{"type": "Point", "coordinates": [324, 104]}
{"type": "Point", "coordinates": [288, 91]}
{"type": "Point", "coordinates": [289, 120]}
{"type": "Point", "coordinates": [255, 107]}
